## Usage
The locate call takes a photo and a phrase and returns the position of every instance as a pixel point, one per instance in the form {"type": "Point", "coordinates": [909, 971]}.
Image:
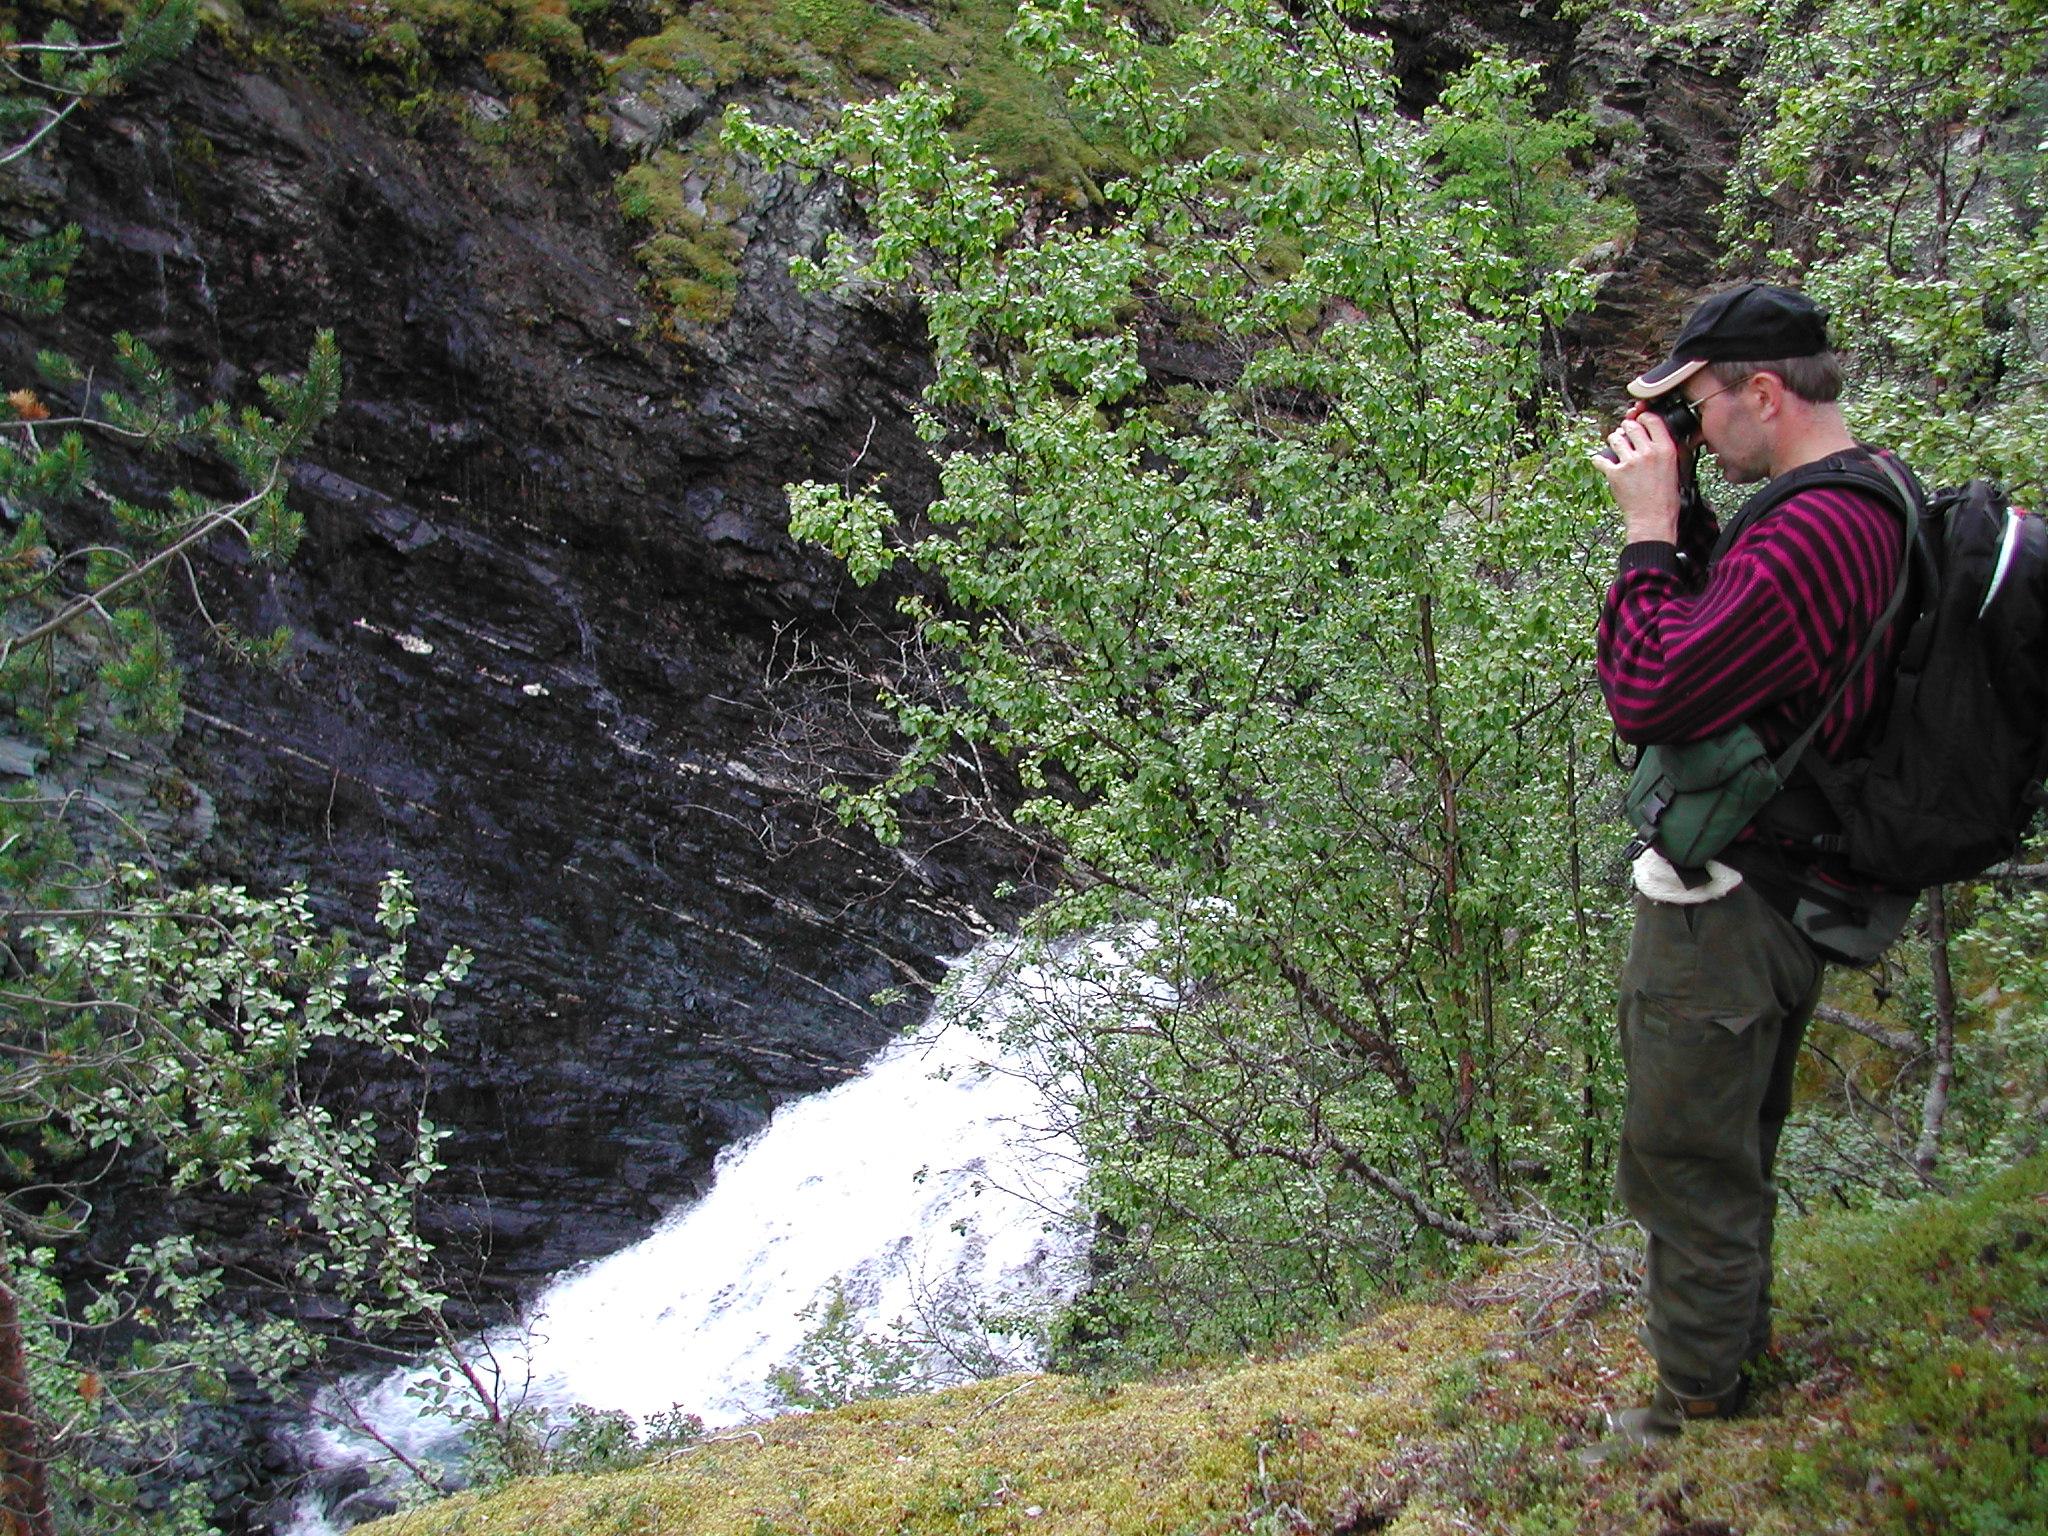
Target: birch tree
{"type": "Point", "coordinates": [1264, 554]}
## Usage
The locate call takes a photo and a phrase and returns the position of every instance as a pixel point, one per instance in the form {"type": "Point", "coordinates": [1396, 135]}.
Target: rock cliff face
{"type": "Point", "coordinates": [547, 591]}
{"type": "Point", "coordinates": [1669, 121]}
{"type": "Point", "coordinates": [537, 620]}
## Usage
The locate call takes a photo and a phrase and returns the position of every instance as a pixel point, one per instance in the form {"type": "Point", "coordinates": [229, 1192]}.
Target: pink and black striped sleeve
{"type": "Point", "coordinates": [1782, 615]}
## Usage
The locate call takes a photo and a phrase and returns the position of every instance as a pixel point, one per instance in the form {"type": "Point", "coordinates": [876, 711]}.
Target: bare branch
{"type": "Point", "coordinates": [1427, 1213]}
{"type": "Point", "coordinates": [1904, 1041]}
{"type": "Point", "coordinates": [1934, 1107]}
{"type": "Point", "coordinates": [353, 1419]}
{"type": "Point", "coordinates": [27, 146]}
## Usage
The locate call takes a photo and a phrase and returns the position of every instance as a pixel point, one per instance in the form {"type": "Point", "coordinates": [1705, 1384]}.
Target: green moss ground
{"type": "Point", "coordinates": [1909, 1393]}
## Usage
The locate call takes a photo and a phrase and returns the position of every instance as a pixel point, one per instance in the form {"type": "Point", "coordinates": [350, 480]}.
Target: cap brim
{"type": "Point", "coordinates": [1665, 377]}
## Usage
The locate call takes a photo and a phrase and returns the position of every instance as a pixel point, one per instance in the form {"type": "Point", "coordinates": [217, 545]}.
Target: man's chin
{"type": "Point", "coordinates": [1739, 474]}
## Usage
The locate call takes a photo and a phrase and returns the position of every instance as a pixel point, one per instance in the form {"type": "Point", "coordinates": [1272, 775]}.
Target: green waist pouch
{"type": "Point", "coordinates": [1688, 801]}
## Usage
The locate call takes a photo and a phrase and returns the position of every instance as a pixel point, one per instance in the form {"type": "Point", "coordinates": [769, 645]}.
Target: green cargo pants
{"type": "Point", "coordinates": [1714, 1001]}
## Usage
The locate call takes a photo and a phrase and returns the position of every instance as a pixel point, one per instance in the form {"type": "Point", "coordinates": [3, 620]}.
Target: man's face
{"type": "Point", "coordinates": [1729, 427]}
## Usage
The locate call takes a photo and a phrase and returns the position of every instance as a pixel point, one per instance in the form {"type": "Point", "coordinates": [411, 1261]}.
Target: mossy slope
{"type": "Point", "coordinates": [1911, 1394]}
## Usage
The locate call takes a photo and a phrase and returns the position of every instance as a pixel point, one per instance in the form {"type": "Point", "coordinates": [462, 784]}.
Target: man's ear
{"type": "Point", "coordinates": [1770, 393]}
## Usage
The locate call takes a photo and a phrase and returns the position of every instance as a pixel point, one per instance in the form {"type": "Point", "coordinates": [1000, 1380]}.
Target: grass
{"type": "Point", "coordinates": [824, 52]}
{"type": "Point", "coordinates": [1047, 1454]}
{"type": "Point", "coordinates": [1909, 1393]}
{"type": "Point", "coordinates": [691, 244]}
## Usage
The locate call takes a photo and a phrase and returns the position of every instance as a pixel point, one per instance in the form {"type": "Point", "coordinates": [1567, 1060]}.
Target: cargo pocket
{"type": "Point", "coordinates": [1686, 1077]}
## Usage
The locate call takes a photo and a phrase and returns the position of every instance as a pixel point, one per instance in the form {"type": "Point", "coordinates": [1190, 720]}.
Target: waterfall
{"type": "Point", "coordinates": [928, 1192]}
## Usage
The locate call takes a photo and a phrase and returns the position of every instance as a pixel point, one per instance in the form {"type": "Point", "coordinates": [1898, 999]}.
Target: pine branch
{"type": "Point", "coordinates": [50, 124]}
{"type": "Point", "coordinates": [91, 601]}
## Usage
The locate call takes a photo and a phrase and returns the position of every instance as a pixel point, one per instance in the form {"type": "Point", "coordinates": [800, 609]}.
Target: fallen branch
{"type": "Point", "coordinates": [1567, 1272]}
{"type": "Point", "coordinates": [988, 1408]}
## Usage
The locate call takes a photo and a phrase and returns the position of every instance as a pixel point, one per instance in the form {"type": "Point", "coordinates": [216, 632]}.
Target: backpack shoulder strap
{"type": "Point", "coordinates": [1860, 469]}
{"type": "Point", "coordinates": [1873, 474]}
{"type": "Point", "coordinates": [1907, 500]}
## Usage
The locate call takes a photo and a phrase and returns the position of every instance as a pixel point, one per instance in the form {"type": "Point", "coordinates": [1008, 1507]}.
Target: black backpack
{"type": "Point", "coordinates": [1945, 783]}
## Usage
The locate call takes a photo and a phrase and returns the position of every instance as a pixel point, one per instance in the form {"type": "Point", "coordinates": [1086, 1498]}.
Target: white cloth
{"type": "Point", "coordinates": [1657, 879]}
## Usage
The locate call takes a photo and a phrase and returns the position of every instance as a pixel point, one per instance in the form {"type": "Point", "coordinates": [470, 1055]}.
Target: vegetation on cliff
{"type": "Point", "coordinates": [650, 80]}
{"type": "Point", "coordinates": [150, 1027]}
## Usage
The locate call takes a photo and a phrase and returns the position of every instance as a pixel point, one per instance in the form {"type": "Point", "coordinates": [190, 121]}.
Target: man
{"type": "Point", "coordinates": [1720, 982]}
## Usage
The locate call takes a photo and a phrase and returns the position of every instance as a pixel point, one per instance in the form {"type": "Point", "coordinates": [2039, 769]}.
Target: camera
{"type": "Point", "coordinates": [1677, 413]}
{"type": "Point", "coordinates": [1679, 416]}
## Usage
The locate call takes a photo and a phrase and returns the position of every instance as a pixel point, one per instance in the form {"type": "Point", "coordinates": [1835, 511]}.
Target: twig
{"type": "Point", "coordinates": [27, 145]}
{"type": "Point", "coordinates": [1569, 1271]}
{"type": "Point", "coordinates": [209, 525]}
{"type": "Point", "coordinates": [872, 421]}
{"type": "Point", "coordinates": [50, 423]}
{"type": "Point", "coordinates": [988, 1408]}
{"type": "Point", "coordinates": [354, 1417]}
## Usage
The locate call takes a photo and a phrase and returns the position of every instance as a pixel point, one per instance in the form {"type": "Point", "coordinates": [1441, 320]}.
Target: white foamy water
{"type": "Point", "coordinates": [927, 1191]}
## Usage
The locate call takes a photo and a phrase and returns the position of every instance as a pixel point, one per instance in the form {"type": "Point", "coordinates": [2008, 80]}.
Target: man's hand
{"type": "Point", "coordinates": [1643, 475]}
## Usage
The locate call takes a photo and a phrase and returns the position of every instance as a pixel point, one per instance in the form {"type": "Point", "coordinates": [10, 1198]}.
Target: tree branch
{"type": "Point", "coordinates": [1423, 1211]}
{"type": "Point", "coordinates": [1377, 1048]}
{"type": "Point", "coordinates": [1934, 1107]}
{"type": "Point", "coordinates": [1903, 1041]}
{"type": "Point", "coordinates": [208, 526]}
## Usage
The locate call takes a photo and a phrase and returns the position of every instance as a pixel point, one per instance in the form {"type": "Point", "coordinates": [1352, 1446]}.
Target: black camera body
{"type": "Point", "coordinates": [1680, 417]}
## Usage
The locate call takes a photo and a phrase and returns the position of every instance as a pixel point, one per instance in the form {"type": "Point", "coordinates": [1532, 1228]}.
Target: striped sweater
{"type": "Point", "coordinates": [1779, 620]}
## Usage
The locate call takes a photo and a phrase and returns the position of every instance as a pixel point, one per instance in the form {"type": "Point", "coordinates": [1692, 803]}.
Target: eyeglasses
{"type": "Point", "coordinates": [1703, 399]}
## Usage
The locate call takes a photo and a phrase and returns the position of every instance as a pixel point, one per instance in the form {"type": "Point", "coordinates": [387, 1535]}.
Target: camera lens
{"type": "Point", "coordinates": [1679, 417]}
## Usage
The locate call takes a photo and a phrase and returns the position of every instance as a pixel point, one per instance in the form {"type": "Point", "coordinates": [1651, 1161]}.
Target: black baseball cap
{"type": "Point", "coordinates": [1755, 323]}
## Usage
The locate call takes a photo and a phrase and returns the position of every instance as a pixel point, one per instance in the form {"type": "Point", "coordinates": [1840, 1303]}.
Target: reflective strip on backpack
{"type": "Point", "coordinates": [2008, 547]}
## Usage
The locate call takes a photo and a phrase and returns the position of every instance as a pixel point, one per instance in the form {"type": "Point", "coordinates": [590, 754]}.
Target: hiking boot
{"type": "Point", "coordinates": [1661, 1420]}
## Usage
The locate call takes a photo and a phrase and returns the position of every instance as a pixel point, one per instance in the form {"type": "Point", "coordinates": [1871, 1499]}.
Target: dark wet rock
{"type": "Point", "coordinates": [1668, 120]}
{"type": "Point", "coordinates": [646, 111]}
